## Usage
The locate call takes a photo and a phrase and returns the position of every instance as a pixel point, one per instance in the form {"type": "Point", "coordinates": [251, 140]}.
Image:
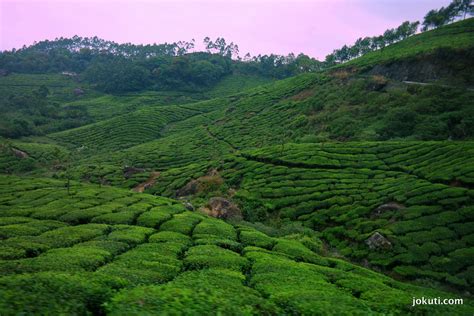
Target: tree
{"type": "Point", "coordinates": [390, 36]}
{"type": "Point", "coordinates": [117, 75]}
{"type": "Point", "coordinates": [463, 7]}
{"type": "Point", "coordinates": [219, 46]}
{"type": "Point", "coordinates": [430, 19]}
{"type": "Point", "coordinates": [399, 122]}
{"type": "Point", "coordinates": [378, 42]}
{"type": "Point", "coordinates": [330, 60]}
{"type": "Point", "coordinates": [406, 29]}
{"type": "Point", "coordinates": [205, 73]}
{"type": "Point", "coordinates": [304, 63]}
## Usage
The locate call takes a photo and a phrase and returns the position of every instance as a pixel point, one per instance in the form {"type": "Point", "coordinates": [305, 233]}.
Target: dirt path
{"type": "Point", "coordinates": [148, 183]}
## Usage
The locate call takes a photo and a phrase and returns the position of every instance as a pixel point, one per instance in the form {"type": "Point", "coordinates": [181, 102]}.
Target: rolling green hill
{"type": "Point", "coordinates": [356, 190]}
{"type": "Point", "coordinates": [456, 36]}
{"type": "Point", "coordinates": [99, 249]}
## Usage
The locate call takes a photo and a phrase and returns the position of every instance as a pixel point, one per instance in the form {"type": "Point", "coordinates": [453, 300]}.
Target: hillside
{"type": "Point", "coordinates": [444, 54]}
{"type": "Point", "coordinates": [138, 257]}
{"type": "Point", "coordinates": [348, 190]}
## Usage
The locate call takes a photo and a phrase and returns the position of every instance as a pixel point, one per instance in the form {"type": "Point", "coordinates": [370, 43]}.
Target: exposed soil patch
{"type": "Point", "coordinates": [303, 95]}
{"type": "Point", "coordinates": [148, 183]}
{"type": "Point", "coordinates": [211, 181]}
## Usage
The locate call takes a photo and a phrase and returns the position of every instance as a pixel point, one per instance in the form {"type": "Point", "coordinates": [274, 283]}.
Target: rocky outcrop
{"type": "Point", "coordinates": [442, 63]}
{"type": "Point", "coordinates": [390, 206]}
{"type": "Point", "coordinates": [188, 206]}
{"type": "Point", "coordinates": [78, 92]}
{"type": "Point", "coordinates": [211, 181]}
{"type": "Point", "coordinates": [191, 188]}
{"type": "Point", "coordinates": [378, 241]}
{"type": "Point", "coordinates": [19, 154]}
{"type": "Point", "coordinates": [128, 172]}
{"type": "Point", "coordinates": [222, 208]}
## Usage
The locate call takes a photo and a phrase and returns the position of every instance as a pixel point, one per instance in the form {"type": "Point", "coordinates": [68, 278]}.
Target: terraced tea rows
{"type": "Point", "coordinates": [20, 157]}
{"type": "Point", "coordinates": [60, 86]}
{"type": "Point", "coordinates": [435, 161]}
{"type": "Point", "coordinates": [109, 250]}
{"type": "Point", "coordinates": [123, 131]}
{"type": "Point", "coordinates": [350, 191]}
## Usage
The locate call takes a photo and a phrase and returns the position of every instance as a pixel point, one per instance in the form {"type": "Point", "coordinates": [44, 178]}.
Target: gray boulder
{"type": "Point", "coordinates": [78, 92]}
{"type": "Point", "coordinates": [390, 206]}
{"type": "Point", "coordinates": [191, 188]}
{"type": "Point", "coordinates": [188, 206]}
{"type": "Point", "coordinates": [19, 154]}
{"type": "Point", "coordinates": [378, 241]}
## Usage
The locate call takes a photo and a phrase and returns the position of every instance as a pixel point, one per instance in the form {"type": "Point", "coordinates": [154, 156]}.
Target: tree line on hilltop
{"type": "Point", "coordinates": [117, 68]}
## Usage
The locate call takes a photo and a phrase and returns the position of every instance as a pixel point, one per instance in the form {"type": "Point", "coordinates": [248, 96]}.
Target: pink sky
{"type": "Point", "coordinates": [314, 27]}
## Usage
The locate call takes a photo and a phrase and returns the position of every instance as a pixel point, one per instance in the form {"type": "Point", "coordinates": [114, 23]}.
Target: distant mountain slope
{"type": "Point", "coordinates": [446, 54]}
{"type": "Point", "coordinates": [130, 129]}
{"type": "Point", "coordinates": [99, 250]}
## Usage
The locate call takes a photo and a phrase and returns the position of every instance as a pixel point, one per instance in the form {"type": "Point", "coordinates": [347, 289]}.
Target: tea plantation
{"type": "Point", "coordinates": [418, 195]}
{"type": "Point", "coordinates": [106, 250]}
{"type": "Point", "coordinates": [345, 191]}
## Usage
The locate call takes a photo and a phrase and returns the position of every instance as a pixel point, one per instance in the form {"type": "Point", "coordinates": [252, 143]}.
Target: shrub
{"type": "Point", "coordinates": [205, 292]}
{"type": "Point", "coordinates": [154, 218]}
{"type": "Point", "coordinates": [44, 293]}
{"type": "Point", "coordinates": [130, 234]}
{"type": "Point", "coordinates": [182, 223]}
{"type": "Point", "coordinates": [124, 217]}
{"type": "Point", "coordinates": [255, 238]}
{"type": "Point", "coordinates": [210, 256]}
{"type": "Point", "coordinates": [69, 235]}
{"type": "Point", "coordinates": [296, 250]}
{"type": "Point", "coordinates": [169, 236]}
{"type": "Point", "coordinates": [215, 227]}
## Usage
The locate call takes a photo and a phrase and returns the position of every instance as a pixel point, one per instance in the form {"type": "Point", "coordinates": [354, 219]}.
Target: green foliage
{"type": "Point", "coordinates": [455, 35]}
{"type": "Point", "coordinates": [28, 113]}
{"type": "Point", "coordinates": [308, 201]}
{"type": "Point", "coordinates": [183, 223]}
{"type": "Point", "coordinates": [250, 237]}
{"type": "Point", "coordinates": [117, 76]}
{"type": "Point", "coordinates": [125, 269]}
{"type": "Point", "coordinates": [210, 256]}
{"type": "Point", "coordinates": [57, 293]}
{"type": "Point", "coordinates": [209, 292]}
